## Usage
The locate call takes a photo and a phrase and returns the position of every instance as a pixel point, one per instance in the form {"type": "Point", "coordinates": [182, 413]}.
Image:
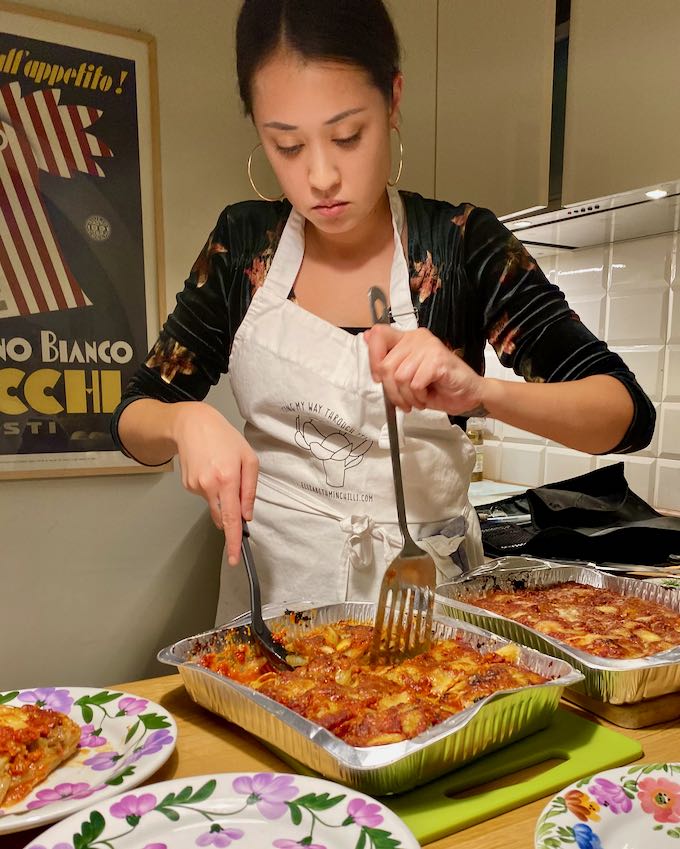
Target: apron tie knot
{"type": "Point", "coordinates": [360, 531]}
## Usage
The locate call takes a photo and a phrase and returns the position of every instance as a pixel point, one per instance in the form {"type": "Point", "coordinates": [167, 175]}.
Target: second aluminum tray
{"type": "Point", "coordinates": [617, 682]}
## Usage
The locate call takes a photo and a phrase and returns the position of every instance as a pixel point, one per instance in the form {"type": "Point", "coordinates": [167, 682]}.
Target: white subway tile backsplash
{"type": "Point", "coordinates": [563, 463]}
{"type": "Point", "coordinates": [642, 262]}
{"type": "Point", "coordinates": [671, 390]}
{"type": "Point", "coordinates": [638, 471]}
{"type": "Point", "coordinates": [492, 459]}
{"type": "Point", "coordinates": [638, 317]}
{"type": "Point", "coordinates": [669, 431]}
{"type": "Point", "coordinates": [667, 491]}
{"type": "Point", "coordinates": [522, 464]}
{"type": "Point", "coordinates": [493, 429]}
{"type": "Point", "coordinates": [647, 364]}
{"type": "Point", "coordinates": [626, 294]}
{"type": "Point", "coordinates": [492, 367]}
{"type": "Point", "coordinates": [640, 474]}
{"type": "Point", "coordinates": [548, 265]}
{"type": "Point", "coordinates": [674, 316]}
{"type": "Point", "coordinates": [591, 312]}
{"type": "Point", "coordinates": [582, 272]}
{"type": "Point", "coordinates": [652, 450]}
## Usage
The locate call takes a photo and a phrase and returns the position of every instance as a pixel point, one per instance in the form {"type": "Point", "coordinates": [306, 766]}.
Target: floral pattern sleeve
{"type": "Point", "coordinates": [530, 325]}
{"type": "Point", "coordinates": [471, 281]}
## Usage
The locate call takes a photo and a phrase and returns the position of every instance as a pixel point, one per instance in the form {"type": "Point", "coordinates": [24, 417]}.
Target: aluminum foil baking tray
{"type": "Point", "coordinates": [617, 682]}
{"type": "Point", "coordinates": [489, 724]}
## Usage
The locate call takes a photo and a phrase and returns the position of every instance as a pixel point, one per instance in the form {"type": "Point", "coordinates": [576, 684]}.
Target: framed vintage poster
{"type": "Point", "coordinates": [81, 283]}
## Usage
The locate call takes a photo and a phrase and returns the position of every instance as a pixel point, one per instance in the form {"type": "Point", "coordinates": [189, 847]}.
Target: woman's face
{"type": "Point", "coordinates": [325, 128]}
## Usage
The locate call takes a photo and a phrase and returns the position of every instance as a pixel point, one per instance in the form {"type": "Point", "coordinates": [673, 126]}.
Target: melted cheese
{"type": "Point", "coordinates": [33, 742]}
{"type": "Point", "coordinates": [372, 705]}
{"type": "Point", "coordinates": [599, 621]}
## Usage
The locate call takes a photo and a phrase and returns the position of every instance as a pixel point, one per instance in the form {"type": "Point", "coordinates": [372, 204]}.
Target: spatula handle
{"type": "Point", "coordinates": [380, 315]}
{"type": "Point", "coordinates": [255, 599]}
{"type": "Point", "coordinates": [275, 652]}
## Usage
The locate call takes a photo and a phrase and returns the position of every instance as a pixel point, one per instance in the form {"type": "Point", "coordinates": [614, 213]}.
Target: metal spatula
{"type": "Point", "coordinates": [275, 652]}
{"type": "Point", "coordinates": [407, 589]}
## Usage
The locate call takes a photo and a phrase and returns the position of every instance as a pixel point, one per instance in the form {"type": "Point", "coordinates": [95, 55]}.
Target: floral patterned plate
{"type": "Point", "coordinates": [673, 583]}
{"type": "Point", "coordinates": [631, 807]}
{"type": "Point", "coordinates": [124, 739]}
{"type": "Point", "coordinates": [245, 811]}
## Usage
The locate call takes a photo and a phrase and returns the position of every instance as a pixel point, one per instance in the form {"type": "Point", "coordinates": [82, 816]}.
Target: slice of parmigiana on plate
{"type": "Point", "coordinates": [33, 742]}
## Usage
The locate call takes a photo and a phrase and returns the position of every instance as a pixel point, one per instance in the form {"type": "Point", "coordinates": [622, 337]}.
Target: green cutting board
{"type": "Point", "coordinates": [582, 748]}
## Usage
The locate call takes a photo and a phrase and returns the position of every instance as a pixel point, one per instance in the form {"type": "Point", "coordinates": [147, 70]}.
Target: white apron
{"type": "Point", "coordinates": [325, 518]}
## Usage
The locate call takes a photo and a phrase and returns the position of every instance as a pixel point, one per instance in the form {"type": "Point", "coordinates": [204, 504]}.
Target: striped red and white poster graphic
{"type": "Point", "coordinates": [38, 135]}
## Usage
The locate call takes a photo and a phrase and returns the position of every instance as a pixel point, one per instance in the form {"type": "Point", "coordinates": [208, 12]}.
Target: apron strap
{"type": "Point", "coordinates": [287, 260]}
{"type": "Point", "coordinates": [360, 530]}
{"type": "Point", "coordinates": [401, 306]}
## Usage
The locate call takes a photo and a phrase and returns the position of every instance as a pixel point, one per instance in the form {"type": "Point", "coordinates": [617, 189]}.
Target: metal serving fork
{"type": "Point", "coordinates": [407, 589]}
{"type": "Point", "coordinates": [275, 652]}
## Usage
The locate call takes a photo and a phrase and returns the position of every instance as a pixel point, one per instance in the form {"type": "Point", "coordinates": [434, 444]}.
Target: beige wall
{"type": "Point", "coordinates": [98, 573]}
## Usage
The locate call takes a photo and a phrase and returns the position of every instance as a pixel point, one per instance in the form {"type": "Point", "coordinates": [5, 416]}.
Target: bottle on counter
{"type": "Point", "coordinates": [475, 433]}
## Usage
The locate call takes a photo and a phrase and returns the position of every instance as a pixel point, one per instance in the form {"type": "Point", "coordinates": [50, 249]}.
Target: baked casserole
{"type": "Point", "coordinates": [596, 620]}
{"type": "Point", "coordinates": [334, 685]}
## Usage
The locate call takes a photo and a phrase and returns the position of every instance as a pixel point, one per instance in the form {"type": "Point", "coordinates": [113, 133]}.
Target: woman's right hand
{"type": "Point", "coordinates": [217, 463]}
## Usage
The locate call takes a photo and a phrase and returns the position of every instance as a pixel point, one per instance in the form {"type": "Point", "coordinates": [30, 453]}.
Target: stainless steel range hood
{"type": "Point", "coordinates": [616, 218]}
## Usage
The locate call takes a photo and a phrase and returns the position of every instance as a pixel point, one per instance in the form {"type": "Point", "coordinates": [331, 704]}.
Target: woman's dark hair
{"type": "Point", "coordinates": [357, 32]}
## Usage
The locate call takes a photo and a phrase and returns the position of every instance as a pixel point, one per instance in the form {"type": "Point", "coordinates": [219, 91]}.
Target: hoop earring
{"type": "Point", "coordinates": [250, 177]}
{"type": "Point", "coordinates": [401, 159]}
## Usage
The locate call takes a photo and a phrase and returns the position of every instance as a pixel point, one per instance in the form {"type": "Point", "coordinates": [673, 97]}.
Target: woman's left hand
{"type": "Point", "coordinates": [418, 370]}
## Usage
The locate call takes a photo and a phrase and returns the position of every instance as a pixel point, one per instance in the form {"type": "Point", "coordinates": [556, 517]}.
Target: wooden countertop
{"type": "Point", "coordinates": [208, 744]}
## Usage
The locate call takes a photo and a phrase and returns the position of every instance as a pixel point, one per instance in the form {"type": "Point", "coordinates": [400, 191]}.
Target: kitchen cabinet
{"type": "Point", "coordinates": [622, 115]}
{"type": "Point", "coordinates": [494, 102]}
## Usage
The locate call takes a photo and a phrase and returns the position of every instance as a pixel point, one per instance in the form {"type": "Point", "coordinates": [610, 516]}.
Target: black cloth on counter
{"type": "Point", "coordinates": [594, 517]}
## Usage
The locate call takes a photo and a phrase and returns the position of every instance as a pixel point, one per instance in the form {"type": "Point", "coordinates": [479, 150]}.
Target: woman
{"type": "Point", "coordinates": [278, 298]}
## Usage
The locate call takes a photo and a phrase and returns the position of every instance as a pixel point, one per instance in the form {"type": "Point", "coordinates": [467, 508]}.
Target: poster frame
{"type": "Point", "coordinates": [61, 29]}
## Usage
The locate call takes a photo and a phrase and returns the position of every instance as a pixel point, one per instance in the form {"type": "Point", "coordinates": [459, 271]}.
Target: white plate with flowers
{"type": "Point", "coordinates": [631, 807]}
{"type": "Point", "coordinates": [124, 740]}
{"type": "Point", "coordinates": [254, 810]}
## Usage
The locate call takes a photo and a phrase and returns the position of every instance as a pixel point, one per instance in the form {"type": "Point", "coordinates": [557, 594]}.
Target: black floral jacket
{"type": "Point", "coordinates": [471, 281]}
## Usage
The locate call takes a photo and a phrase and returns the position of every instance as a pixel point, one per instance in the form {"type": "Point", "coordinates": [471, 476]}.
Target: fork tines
{"type": "Point", "coordinates": [408, 632]}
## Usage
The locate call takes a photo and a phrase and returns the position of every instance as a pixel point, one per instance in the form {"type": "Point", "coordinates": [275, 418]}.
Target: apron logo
{"type": "Point", "coordinates": [335, 450]}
